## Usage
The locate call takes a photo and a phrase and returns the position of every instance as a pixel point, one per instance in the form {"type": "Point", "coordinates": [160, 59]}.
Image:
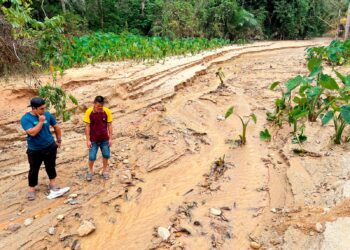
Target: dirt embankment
{"type": "Point", "coordinates": [166, 171]}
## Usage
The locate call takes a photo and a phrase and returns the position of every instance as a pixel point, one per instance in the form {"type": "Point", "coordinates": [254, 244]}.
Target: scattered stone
{"type": "Point", "coordinates": [13, 227]}
{"type": "Point", "coordinates": [255, 245]}
{"type": "Point", "coordinates": [163, 233]}
{"type": "Point", "coordinates": [275, 242]}
{"type": "Point", "coordinates": [73, 202]}
{"type": "Point", "coordinates": [220, 118]}
{"type": "Point", "coordinates": [60, 217]}
{"type": "Point", "coordinates": [73, 196]}
{"type": "Point", "coordinates": [312, 233]}
{"type": "Point", "coordinates": [68, 200]}
{"type": "Point", "coordinates": [319, 228]}
{"type": "Point", "coordinates": [125, 176]}
{"type": "Point", "coordinates": [86, 228]}
{"type": "Point", "coordinates": [51, 230]}
{"type": "Point", "coordinates": [215, 211]}
{"type": "Point", "coordinates": [28, 222]}
{"type": "Point", "coordinates": [125, 161]}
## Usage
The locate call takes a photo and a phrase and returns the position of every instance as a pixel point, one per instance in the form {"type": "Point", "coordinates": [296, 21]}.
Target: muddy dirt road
{"type": "Point", "coordinates": [166, 172]}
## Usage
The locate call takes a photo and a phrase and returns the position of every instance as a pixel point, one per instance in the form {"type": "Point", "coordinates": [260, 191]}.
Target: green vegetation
{"type": "Point", "coordinates": [111, 47]}
{"type": "Point", "coordinates": [265, 135]}
{"type": "Point", "coordinates": [316, 95]}
{"type": "Point", "coordinates": [70, 33]}
{"type": "Point", "coordinates": [337, 53]}
{"type": "Point", "coordinates": [245, 121]}
{"type": "Point", "coordinates": [221, 75]}
{"type": "Point", "coordinates": [55, 96]}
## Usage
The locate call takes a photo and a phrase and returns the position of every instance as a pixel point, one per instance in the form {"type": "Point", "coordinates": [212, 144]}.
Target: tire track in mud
{"type": "Point", "coordinates": [178, 93]}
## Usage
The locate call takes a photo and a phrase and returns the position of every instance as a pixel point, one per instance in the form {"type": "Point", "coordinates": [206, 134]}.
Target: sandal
{"type": "Point", "coordinates": [89, 176]}
{"type": "Point", "coordinates": [31, 196]}
{"type": "Point", "coordinates": [105, 175]}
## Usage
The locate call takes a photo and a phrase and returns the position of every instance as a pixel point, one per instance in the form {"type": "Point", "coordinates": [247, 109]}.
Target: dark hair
{"type": "Point", "coordinates": [99, 99]}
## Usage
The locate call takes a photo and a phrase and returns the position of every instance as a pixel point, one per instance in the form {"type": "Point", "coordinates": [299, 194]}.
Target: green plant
{"type": "Point", "coordinates": [244, 121]}
{"type": "Point", "coordinates": [341, 118]}
{"type": "Point", "coordinates": [265, 135]}
{"type": "Point", "coordinates": [336, 53]}
{"type": "Point", "coordinates": [299, 136]}
{"type": "Point", "coordinates": [316, 95]}
{"type": "Point", "coordinates": [55, 96]}
{"type": "Point", "coordinates": [220, 74]}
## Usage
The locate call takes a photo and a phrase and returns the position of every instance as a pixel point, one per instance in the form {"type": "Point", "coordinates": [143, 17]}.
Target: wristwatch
{"type": "Point", "coordinates": [59, 140]}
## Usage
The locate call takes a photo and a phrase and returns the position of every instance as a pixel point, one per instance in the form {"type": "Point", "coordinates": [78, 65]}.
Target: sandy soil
{"type": "Point", "coordinates": [165, 166]}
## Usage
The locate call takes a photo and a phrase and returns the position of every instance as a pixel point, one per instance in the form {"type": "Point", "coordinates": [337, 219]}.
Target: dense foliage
{"type": "Point", "coordinates": [66, 33]}
{"type": "Point", "coordinates": [318, 95]}
{"type": "Point", "coordinates": [230, 19]}
{"type": "Point", "coordinates": [111, 47]}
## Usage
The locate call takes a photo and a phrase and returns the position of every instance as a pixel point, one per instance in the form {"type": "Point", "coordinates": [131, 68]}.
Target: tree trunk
{"type": "Point", "coordinates": [63, 4]}
{"type": "Point", "coordinates": [142, 7]}
{"type": "Point", "coordinates": [347, 26]}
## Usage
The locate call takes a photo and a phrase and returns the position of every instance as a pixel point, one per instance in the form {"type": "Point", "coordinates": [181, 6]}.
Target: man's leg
{"type": "Point", "coordinates": [50, 164]}
{"type": "Point", "coordinates": [92, 159]}
{"type": "Point", "coordinates": [35, 160]}
{"type": "Point", "coordinates": [106, 154]}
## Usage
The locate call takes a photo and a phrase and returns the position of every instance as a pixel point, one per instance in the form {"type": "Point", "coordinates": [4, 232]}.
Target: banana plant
{"type": "Point", "coordinates": [244, 121]}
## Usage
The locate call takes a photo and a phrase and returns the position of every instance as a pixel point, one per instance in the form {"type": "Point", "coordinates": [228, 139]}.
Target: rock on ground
{"type": "Point", "coordinates": [336, 235]}
{"type": "Point", "coordinates": [86, 228]}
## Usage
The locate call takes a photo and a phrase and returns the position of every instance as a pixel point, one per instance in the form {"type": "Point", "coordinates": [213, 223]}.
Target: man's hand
{"type": "Point", "coordinates": [58, 143]}
{"type": "Point", "coordinates": [110, 142]}
{"type": "Point", "coordinates": [42, 118]}
{"type": "Point", "coordinates": [88, 144]}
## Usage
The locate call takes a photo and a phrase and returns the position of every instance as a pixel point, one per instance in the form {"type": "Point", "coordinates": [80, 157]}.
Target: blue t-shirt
{"type": "Point", "coordinates": [44, 138]}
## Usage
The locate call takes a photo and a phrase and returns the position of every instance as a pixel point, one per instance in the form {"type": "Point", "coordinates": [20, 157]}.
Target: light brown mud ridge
{"type": "Point", "coordinates": [165, 167]}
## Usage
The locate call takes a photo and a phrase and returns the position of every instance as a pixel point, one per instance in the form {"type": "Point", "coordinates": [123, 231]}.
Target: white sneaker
{"type": "Point", "coordinates": [58, 193]}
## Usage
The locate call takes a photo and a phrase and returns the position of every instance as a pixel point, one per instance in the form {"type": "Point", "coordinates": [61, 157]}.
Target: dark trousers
{"type": "Point", "coordinates": [36, 157]}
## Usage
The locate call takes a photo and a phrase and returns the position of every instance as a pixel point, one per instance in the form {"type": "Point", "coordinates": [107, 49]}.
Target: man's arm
{"type": "Point", "coordinates": [58, 134]}
{"type": "Point", "coordinates": [110, 132]}
{"type": "Point", "coordinates": [35, 130]}
{"type": "Point", "coordinates": [87, 134]}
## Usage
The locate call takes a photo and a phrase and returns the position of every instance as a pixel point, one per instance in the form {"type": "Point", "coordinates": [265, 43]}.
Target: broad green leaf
{"type": "Point", "coordinates": [280, 103]}
{"type": "Point", "coordinates": [327, 117]}
{"type": "Point", "coordinates": [328, 82]}
{"type": "Point", "coordinates": [313, 91]}
{"type": "Point", "coordinates": [300, 101]}
{"type": "Point", "coordinates": [314, 66]}
{"type": "Point", "coordinates": [73, 99]}
{"type": "Point", "coordinates": [274, 85]}
{"type": "Point", "coordinates": [293, 83]}
{"type": "Point", "coordinates": [265, 135]}
{"type": "Point", "coordinates": [314, 63]}
{"type": "Point", "coordinates": [229, 112]}
{"type": "Point", "coordinates": [345, 79]}
{"type": "Point", "coordinates": [253, 116]}
{"type": "Point", "coordinates": [345, 113]}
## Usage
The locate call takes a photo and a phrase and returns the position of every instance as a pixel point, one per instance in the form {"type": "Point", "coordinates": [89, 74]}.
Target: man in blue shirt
{"type": "Point", "coordinates": [41, 144]}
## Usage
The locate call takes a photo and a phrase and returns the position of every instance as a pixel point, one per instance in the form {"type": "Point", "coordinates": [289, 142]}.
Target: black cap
{"type": "Point", "coordinates": [36, 102]}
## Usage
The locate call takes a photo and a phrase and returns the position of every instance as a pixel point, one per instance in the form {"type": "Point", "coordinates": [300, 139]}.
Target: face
{"type": "Point", "coordinates": [40, 110]}
{"type": "Point", "coordinates": [98, 107]}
